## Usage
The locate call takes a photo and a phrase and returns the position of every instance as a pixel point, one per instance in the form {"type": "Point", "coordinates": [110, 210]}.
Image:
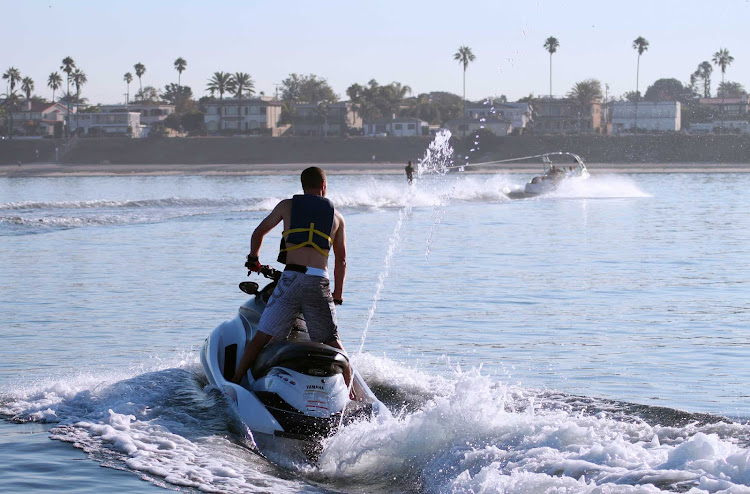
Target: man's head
{"type": "Point", "coordinates": [314, 181]}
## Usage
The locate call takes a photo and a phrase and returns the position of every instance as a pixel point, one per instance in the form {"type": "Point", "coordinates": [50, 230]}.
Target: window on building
{"type": "Point", "coordinates": [397, 126]}
{"type": "Point", "coordinates": [411, 126]}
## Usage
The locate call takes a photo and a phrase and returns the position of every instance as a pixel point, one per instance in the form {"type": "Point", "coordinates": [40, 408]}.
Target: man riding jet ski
{"type": "Point", "coordinates": [311, 227]}
{"type": "Point", "coordinates": [301, 382]}
{"type": "Point", "coordinates": [296, 388]}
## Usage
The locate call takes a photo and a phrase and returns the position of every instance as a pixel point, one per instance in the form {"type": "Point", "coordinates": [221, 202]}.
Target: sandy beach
{"type": "Point", "coordinates": [60, 170]}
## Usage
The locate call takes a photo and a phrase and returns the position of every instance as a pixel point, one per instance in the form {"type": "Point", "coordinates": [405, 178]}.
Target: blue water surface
{"type": "Point", "coordinates": [628, 288]}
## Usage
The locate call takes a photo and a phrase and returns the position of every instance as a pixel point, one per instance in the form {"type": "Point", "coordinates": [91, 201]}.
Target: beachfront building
{"type": "Point", "coordinates": [518, 114]}
{"type": "Point", "coordinates": [652, 116]}
{"type": "Point", "coordinates": [35, 118]}
{"type": "Point", "coordinates": [397, 127]}
{"type": "Point", "coordinates": [728, 107]}
{"type": "Point", "coordinates": [325, 119]}
{"type": "Point", "coordinates": [151, 113]}
{"type": "Point", "coordinates": [567, 116]}
{"type": "Point", "coordinates": [107, 124]}
{"type": "Point", "coordinates": [464, 126]}
{"type": "Point", "coordinates": [243, 116]}
{"type": "Point", "coordinates": [720, 126]}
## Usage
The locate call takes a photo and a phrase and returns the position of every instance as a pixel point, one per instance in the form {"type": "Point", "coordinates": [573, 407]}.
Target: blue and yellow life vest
{"type": "Point", "coordinates": [310, 225]}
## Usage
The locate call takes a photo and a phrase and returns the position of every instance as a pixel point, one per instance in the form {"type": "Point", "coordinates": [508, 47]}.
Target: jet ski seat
{"type": "Point", "coordinates": [315, 359]}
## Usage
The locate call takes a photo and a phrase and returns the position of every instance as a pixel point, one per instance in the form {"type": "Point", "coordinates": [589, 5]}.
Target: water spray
{"type": "Point", "coordinates": [436, 161]}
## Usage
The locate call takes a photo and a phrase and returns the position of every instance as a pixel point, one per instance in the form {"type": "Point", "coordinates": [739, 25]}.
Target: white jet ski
{"type": "Point", "coordinates": [296, 388]}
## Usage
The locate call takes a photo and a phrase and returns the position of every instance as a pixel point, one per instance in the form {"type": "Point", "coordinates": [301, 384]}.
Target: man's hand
{"type": "Point", "coordinates": [338, 301]}
{"type": "Point", "coordinates": [252, 265]}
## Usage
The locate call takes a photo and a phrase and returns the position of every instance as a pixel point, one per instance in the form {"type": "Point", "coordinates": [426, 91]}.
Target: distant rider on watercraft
{"type": "Point", "coordinates": [311, 228]}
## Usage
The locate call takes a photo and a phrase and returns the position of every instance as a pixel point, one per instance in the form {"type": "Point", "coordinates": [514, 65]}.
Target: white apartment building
{"type": "Point", "coordinates": [398, 127]}
{"type": "Point", "coordinates": [518, 114]}
{"type": "Point", "coordinates": [248, 115]}
{"type": "Point", "coordinates": [332, 119]}
{"type": "Point", "coordinates": [659, 115]}
{"type": "Point", "coordinates": [151, 113]}
{"type": "Point", "coordinates": [464, 126]}
{"type": "Point", "coordinates": [107, 124]}
{"type": "Point", "coordinates": [723, 126]}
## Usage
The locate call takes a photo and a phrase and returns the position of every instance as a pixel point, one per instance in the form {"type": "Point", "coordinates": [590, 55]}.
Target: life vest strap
{"type": "Point", "coordinates": [309, 242]}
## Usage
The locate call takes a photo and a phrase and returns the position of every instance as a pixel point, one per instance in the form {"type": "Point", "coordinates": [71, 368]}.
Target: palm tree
{"type": "Point", "coordinates": [128, 78]}
{"type": "Point", "coordinates": [393, 95]}
{"type": "Point", "coordinates": [220, 83]}
{"type": "Point", "coordinates": [551, 45]}
{"type": "Point", "coordinates": [585, 93]}
{"type": "Point", "coordinates": [641, 45]}
{"type": "Point", "coordinates": [464, 57]}
{"type": "Point", "coordinates": [140, 69]}
{"type": "Point", "coordinates": [54, 81]}
{"type": "Point", "coordinates": [693, 81]}
{"type": "Point", "coordinates": [355, 93]}
{"type": "Point", "coordinates": [722, 59]}
{"type": "Point", "coordinates": [68, 65]}
{"type": "Point", "coordinates": [322, 112]}
{"type": "Point", "coordinates": [79, 79]}
{"type": "Point", "coordinates": [13, 76]}
{"type": "Point", "coordinates": [27, 86]}
{"type": "Point", "coordinates": [180, 65]}
{"type": "Point", "coordinates": [704, 72]}
{"type": "Point", "coordinates": [241, 83]}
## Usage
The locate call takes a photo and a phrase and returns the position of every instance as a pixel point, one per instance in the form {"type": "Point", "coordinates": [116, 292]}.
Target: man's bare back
{"type": "Point", "coordinates": [307, 257]}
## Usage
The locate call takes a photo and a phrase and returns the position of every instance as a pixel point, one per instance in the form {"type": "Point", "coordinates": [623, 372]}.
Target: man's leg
{"type": "Point", "coordinates": [336, 343]}
{"type": "Point", "coordinates": [277, 319]}
{"type": "Point", "coordinates": [320, 317]}
{"type": "Point", "coordinates": [252, 349]}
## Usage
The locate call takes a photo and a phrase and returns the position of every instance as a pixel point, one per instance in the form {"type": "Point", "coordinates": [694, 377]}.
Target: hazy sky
{"type": "Point", "coordinates": [408, 41]}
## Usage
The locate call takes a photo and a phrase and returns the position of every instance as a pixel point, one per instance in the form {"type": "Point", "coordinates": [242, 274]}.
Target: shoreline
{"type": "Point", "coordinates": [84, 170]}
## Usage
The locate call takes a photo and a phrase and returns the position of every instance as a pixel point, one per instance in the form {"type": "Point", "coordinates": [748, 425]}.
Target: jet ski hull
{"type": "Point", "coordinates": [296, 389]}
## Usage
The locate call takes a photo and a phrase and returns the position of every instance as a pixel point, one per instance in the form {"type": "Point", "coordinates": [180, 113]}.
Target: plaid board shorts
{"type": "Point", "coordinates": [299, 292]}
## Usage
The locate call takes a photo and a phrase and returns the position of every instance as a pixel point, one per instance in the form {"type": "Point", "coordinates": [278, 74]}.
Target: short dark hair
{"type": "Point", "coordinates": [312, 178]}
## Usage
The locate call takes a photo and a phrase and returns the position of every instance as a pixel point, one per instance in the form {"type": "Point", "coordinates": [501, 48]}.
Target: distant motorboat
{"type": "Point", "coordinates": [552, 176]}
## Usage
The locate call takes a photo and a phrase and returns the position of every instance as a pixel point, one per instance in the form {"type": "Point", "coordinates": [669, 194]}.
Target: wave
{"type": "Point", "coordinates": [29, 217]}
{"type": "Point", "coordinates": [170, 202]}
{"type": "Point", "coordinates": [462, 431]}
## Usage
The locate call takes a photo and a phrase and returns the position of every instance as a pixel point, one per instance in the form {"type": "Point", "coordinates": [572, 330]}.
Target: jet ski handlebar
{"type": "Point", "coordinates": [270, 273]}
{"type": "Point", "coordinates": [251, 287]}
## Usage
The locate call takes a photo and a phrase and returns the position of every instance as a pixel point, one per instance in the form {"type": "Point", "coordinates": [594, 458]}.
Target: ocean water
{"type": "Point", "coordinates": [594, 340]}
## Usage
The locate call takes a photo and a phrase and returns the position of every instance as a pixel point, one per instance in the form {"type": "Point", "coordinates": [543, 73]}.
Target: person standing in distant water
{"type": "Point", "coordinates": [409, 172]}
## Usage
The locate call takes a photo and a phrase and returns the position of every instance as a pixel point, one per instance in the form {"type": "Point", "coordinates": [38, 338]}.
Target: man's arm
{"type": "Point", "coordinates": [265, 226]}
{"type": "Point", "coordinates": [339, 269]}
